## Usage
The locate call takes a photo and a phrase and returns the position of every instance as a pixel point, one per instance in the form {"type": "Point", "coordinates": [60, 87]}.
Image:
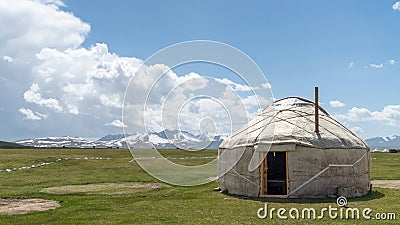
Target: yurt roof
{"type": "Point", "coordinates": [292, 121]}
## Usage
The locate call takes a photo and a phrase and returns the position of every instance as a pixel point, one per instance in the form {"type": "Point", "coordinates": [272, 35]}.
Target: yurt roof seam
{"type": "Point", "coordinates": [303, 99]}
{"type": "Point", "coordinates": [274, 116]}
{"type": "Point", "coordinates": [346, 129]}
{"type": "Point", "coordinates": [336, 124]}
{"type": "Point", "coordinates": [247, 128]}
{"type": "Point", "coordinates": [293, 119]}
{"type": "Point", "coordinates": [292, 142]}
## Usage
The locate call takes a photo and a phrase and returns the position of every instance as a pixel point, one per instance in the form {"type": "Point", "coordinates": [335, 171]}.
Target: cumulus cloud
{"type": "Point", "coordinates": [85, 79]}
{"type": "Point", "coordinates": [235, 86]}
{"type": "Point", "coordinates": [8, 59]}
{"type": "Point", "coordinates": [396, 6]}
{"type": "Point", "coordinates": [336, 104]}
{"type": "Point", "coordinates": [182, 102]}
{"type": "Point", "coordinates": [357, 130]}
{"type": "Point", "coordinates": [43, 25]}
{"type": "Point", "coordinates": [242, 87]}
{"type": "Point", "coordinates": [33, 96]}
{"type": "Point", "coordinates": [28, 114]}
{"type": "Point", "coordinates": [389, 115]}
{"type": "Point", "coordinates": [116, 123]}
{"type": "Point", "coordinates": [373, 65]}
{"type": "Point", "coordinates": [32, 26]}
{"type": "Point", "coordinates": [114, 101]}
{"type": "Point", "coordinates": [254, 101]}
{"type": "Point", "coordinates": [93, 81]}
{"type": "Point", "coordinates": [64, 81]}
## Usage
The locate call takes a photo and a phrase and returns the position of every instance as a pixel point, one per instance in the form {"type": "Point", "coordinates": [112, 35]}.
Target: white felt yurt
{"type": "Point", "coordinates": [294, 149]}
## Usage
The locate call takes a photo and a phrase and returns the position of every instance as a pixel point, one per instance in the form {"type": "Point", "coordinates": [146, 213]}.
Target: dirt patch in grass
{"type": "Point", "coordinates": [104, 188]}
{"type": "Point", "coordinates": [393, 184]}
{"type": "Point", "coordinates": [23, 206]}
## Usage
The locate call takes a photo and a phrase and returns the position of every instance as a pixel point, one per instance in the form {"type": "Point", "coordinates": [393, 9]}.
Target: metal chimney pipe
{"type": "Point", "coordinates": [316, 111]}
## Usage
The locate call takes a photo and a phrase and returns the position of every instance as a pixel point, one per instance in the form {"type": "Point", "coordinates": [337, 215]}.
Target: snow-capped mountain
{"type": "Point", "coordinates": [169, 139]}
{"type": "Point", "coordinates": [384, 142]}
{"type": "Point", "coordinates": [111, 137]}
{"type": "Point", "coordinates": [57, 142]}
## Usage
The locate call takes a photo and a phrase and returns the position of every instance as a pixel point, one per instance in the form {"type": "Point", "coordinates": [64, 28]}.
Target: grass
{"type": "Point", "coordinates": [182, 205]}
{"type": "Point", "coordinates": [385, 166]}
{"type": "Point", "coordinates": [104, 188]}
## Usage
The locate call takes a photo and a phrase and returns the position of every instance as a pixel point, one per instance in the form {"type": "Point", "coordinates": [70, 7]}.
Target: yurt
{"type": "Point", "coordinates": [294, 149]}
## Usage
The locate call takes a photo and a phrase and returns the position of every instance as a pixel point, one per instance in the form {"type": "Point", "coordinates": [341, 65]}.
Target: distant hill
{"type": "Point", "coordinates": [5, 144]}
{"type": "Point", "coordinates": [384, 142]}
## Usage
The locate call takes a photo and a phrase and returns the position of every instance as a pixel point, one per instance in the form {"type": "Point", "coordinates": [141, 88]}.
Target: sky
{"type": "Point", "coordinates": [65, 65]}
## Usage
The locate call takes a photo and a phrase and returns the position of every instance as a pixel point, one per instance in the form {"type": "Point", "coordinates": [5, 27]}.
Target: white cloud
{"type": "Point", "coordinates": [73, 109]}
{"type": "Point", "coordinates": [51, 2]}
{"type": "Point", "coordinates": [191, 81]}
{"type": "Point", "coordinates": [242, 87]}
{"type": "Point", "coordinates": [254, 101]}
{"type": "Point", "coordinates": [33, 96]}
{"type": "Point", "coordinates": [70, 82]}
{"type": "Point", "coordinates": [114, 101]}
{"type": "Point", "coordinates": [390, 115]}
{"type": "Point", "coordinates": [8, 59]}
{"type": "Point", "coordinates": [28, 114]}
{"type": "Point", "coordinates": [376, 65]}
{"type": "Point", "coordinates": [173, 104]}
{"type": "Point", "coordinates": [396, 6]}
{"type": "Point", "coordinates": [235, 86]}
{"type": "Point", "coordinates": [357, 130]}
{"type": "Point", "coordinates": [85, 79]}
{"type": "Point", "coordinates": [93, 81]}
{"type": "Point", "coordinates": [392, 62]}
{"type": "Point", "coordinates": [43, 25]}
{"type": "Point", "coordinates": [336, 104]}
{"type": "Point", "coordinates": [47, 74]}
{"type": "Point", "coordinates": [116, 123]}
{"type": "Point", "coordinates": [266, 85]}
{"type": "Point", "coordinates": [351, 65]}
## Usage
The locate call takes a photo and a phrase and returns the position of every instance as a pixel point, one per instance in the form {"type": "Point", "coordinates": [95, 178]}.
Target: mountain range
{"type": "Point", "coordinates": [384, 142]}
{"type": "Point", "coordinates": [168, 139]}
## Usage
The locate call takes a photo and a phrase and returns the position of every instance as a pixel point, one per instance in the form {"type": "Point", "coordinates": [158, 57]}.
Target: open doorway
{"type": "Point", "coordinates": [274, 174]}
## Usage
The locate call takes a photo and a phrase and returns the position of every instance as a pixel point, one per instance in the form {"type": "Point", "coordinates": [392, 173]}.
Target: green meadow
{"type": "Point", "coordinates": [125, 204]}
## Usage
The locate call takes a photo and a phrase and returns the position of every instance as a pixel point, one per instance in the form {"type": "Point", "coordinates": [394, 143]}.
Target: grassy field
{"type": "Point", "coordinates": [183, 205]}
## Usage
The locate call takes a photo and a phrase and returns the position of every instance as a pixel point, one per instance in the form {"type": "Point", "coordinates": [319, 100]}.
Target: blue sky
{"type": "Point", "coordinates": [298, 44]}
{"type": "Point", "coordinates": [350, 49]}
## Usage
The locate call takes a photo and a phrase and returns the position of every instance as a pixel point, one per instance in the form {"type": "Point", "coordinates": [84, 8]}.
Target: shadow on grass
{"type": "Point", "coordinates": [374, 195]}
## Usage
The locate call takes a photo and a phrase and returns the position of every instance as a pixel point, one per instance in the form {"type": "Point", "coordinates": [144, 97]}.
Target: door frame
{"type": "Point", "coordinates": [263, 174]}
